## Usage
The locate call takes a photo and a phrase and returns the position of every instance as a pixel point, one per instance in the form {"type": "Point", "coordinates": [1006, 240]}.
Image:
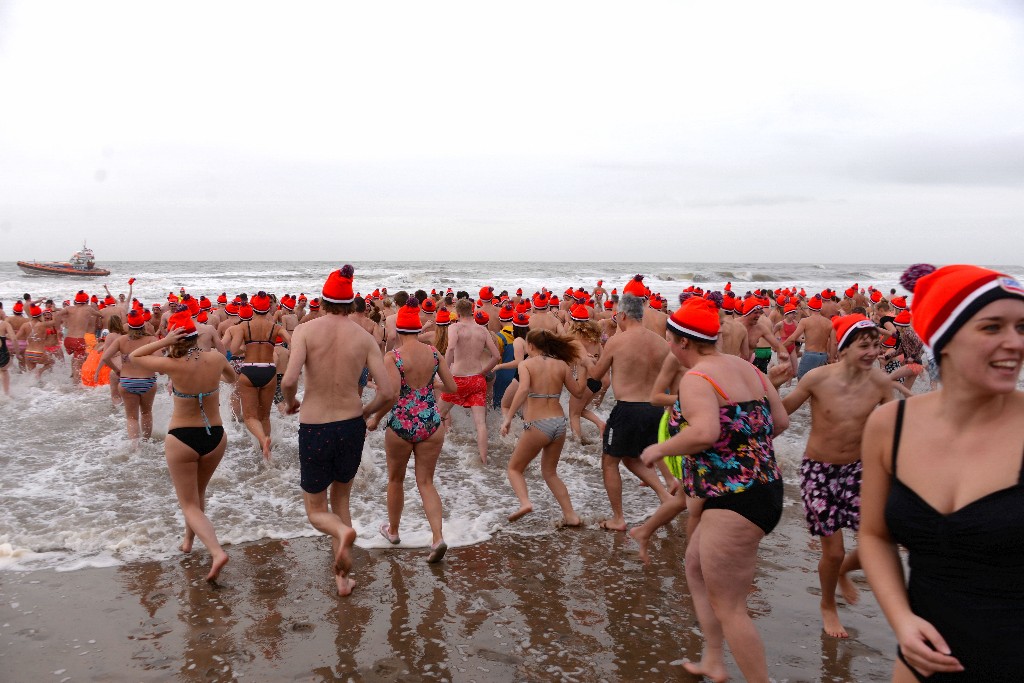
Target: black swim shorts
{"type": "Point", "coordinates": [632, 427]}
{"type": "Point", "coordinates": [330, 452]}
{"type": "Point", "coordinates": [760, 504]}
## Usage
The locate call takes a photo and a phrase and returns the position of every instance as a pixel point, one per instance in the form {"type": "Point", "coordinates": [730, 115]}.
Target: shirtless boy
{"type": "Point", "coordinates": [816, 330]}
{"type": "Point", "coordinates": [471, 354]}
{"type": "Point", "coordinates": [842, 396]}
{"type": "Point", "coordinates": [332, 420]}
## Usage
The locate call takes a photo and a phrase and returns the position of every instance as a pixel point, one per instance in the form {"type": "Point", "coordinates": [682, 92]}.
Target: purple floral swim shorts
{"type": "Point", "coordinates": [831, 495]}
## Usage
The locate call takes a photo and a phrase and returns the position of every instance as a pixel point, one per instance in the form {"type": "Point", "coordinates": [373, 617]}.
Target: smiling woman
{"type": "Point", "coordinates": [944, 477]}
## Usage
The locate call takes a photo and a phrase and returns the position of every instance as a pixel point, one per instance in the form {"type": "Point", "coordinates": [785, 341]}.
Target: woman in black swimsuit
{"type": "Point", "coordinates": [195, 440]}
{"type": "Point", "coordinates": [944, 477]}
{"type": "Point", "coordinates": [254, 338]}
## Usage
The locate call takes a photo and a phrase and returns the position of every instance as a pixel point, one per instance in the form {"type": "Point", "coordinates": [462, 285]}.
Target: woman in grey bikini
{"type": "Point", "coordinates": [195, 440]}
{"type": "Point", "coordinates": [541, 378]}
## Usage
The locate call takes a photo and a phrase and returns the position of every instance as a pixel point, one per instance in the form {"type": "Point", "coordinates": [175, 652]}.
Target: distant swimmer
{"type": "Point", "coordinates": [333, 349]}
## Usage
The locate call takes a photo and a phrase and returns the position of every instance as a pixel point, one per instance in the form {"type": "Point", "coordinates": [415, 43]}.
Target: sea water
{"type": "Point", "coordinates": [76, 493]}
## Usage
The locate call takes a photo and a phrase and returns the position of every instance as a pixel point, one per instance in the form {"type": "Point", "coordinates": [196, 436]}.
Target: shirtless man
{"type": "Point", "coordinates": [655, 320]}
{"type": "Point", "coordinates": [599, 294]}
{"type": "Point", "coordinates": [842, 396]}
{"type": "Point", "coordinates": [361, 319]}
{"type": "Point", "coordinates": [471, 354]}
{"type": "Point", "coordinates": [816, 330]}
{"type": "Point", "coordinates": [541, 318]}
{"type": "Point", "coordinates": [732, 337]}
{"type": "Point", "coordinates": [635, 356]}
{"type": "Point", "coordinates": [16, 320]}
{"type": "Point", "coordinates": [332, 420]}
{"type": "Point", "coordinates": [756, 333]}
{"type": "Point", "coordinates": [78, 320]}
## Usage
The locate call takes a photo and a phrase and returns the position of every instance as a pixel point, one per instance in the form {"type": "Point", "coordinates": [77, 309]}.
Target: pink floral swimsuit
{"type": "Point", "coordinates": [414, 417]}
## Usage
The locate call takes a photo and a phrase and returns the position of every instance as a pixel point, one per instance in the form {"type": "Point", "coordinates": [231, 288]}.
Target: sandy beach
{"type": "Point", "coordinates": [577, 605]}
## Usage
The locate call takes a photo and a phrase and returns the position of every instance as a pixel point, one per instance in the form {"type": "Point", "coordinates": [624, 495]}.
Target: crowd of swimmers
{"type": "Point", "coordinates": [697, 403]}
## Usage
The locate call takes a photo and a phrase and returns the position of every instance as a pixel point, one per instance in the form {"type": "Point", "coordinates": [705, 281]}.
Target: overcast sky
{"type": "Point", "coordinates": [693, 131]}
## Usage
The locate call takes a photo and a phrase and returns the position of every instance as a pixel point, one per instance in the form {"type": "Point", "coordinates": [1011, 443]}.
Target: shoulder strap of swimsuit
{"type": "Point", "coordinates": [248, 324]}
{"type": "Point", "coordinates": [270, 339]}
{"type": "Point", "coordinates": [718, 389]}
{"type": "Point", "coordinates": [896, 434]}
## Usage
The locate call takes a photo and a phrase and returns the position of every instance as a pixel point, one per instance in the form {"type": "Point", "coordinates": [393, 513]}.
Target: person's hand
{"type": "Point", "coordinates": [784, 356]}
{"type": "Point", "coordinates": [291, 407]}
{"type": "Point", "coordinates": [505, 427]}
{"type": "Point", "coordinates": [780, 373]}
{"type": "Point", "coordinates": [923, 647]}
{"type": "Point", "coordinates": [371, 423]}
{"type": "Point", "coordinates": [649, 455]}
{"type": "Point", "coordinates": [174, 335]}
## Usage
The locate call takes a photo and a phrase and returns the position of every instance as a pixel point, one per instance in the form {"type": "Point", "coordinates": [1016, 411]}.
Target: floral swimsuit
{"type": "Point", "coordinates": [414, 417]}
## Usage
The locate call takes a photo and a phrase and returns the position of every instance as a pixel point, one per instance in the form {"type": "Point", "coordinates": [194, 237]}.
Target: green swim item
{"type": "Point", "coordinates": [674, 462]}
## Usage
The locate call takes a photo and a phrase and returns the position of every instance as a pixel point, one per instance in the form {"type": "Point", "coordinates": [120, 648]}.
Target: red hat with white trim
{"type": "Point", "coordinates": [314, 305]}
{"type": "Point", "coordinates": [579, 313]}
{"type": "Point", "coordinates": [902, 319]}
{"type": "Point", "coordinates": [608, 305]}
{"type": "Point", "coordinates": [789, 308]}
{"type": "Point", "coordinates": [846, 325]}
{"type": "Point", "coordinates": [540, 300]}
{"type": "Point", "coordinates": [245, 312]}
{"type": "Point", "coordinates": [889, 342]}
{"type": "Point", "coordinates": [429, 305]}
{"type": "Point", "coordinates": [899, 303]}
{"type": "Point", "coordinates": [946, 298]}
{"type": "Point", "coordinates": [481, 317]}
{"type": "Point", "coordinates": [750, 305]}
{"type": "Point", "coordinates": [202, 317]}
{"type": "Point", "coordinates": [135, 319]}
{"type": "Point", "coordinates": [182, 320]}
{"type": "Point", "coordinates": [506, 312]}
{"type": "Point", "coordinates": [223, 298]}
{"type": "Point", "coordinates": [521, 319]}
{"type": "Point", "coordinates": [231, 309]}
{"type": "Point", "coordinates": [814, 303]}
{"type": "Point", "coordinates": [553, 301]}
{"type": "Point", "coordinates": [338, 288]}
{"type": "Point", "coordinates": [81, 298]}
{"type": "Point", "coordinates": [408, 318]}
{"type": "Point", "coordinates": [876, 296]}
{"type": "Point", "coordinates": [487, 293]}
{"type": "Point", "coordinates": [19, 307]}
{"type": "Point", "coordinates": [260, 303]}
{"type": "Point", "coordinates": [205, 304]}
{"type": "Point", "coordinates": [443, 318]}
{"type": "Point", "coordinates": [696, 318]}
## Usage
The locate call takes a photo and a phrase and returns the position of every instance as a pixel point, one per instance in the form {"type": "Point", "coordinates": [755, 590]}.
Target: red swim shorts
{"type": "Point", "coordinates": [76, 347]}
{"type": "Point", "coordinates": [472, 391]}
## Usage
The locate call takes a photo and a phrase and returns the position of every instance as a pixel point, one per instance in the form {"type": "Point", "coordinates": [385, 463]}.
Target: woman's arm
{"type": "Point", "coordinates": [880, 558]}
{"type": "Point", "coordinates": [445, 374]}
{"type": "Point", "coordinates": [518, 354]}
{"type": "Point", "coordinates": [396, 378]}
{"type": "Point", "coordinates": [699, 404]}
{"type": "Point", "coordinates": [143, 357]}
{"type": "Point", "coordinates": [518, 399]}
{"type": "Point", "coordinates": [667, 380]}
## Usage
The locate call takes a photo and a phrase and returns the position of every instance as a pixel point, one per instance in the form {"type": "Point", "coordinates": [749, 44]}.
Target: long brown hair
{"type": "Point", "coordinates": [441, 339]}
{"type": "Point", "coordinates": [556, 345]}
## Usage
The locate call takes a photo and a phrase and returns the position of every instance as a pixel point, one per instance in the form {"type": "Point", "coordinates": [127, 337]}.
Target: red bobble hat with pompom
{"type": "Point", "coordinates": [947, 297]}
{"type": "Point", "coordinates": [846, 325]}
{"type": "Point", "coordinates": [136, 321]}
{"type": "Point", "coordinates": [443, 318]}
{"type": "Point", "coordinates": [81, 298]}
{"type": "Point", "coordinates": [696, 318]}
{"type": "Point", "coordinates": [506, 313]}
{"type": "Point", "coordinates": [260, 302]}
{"type": "Point", "coordinates": [314, 305]}
{"type": "Point", "coordinates": [521, 319]}
{"type": "Point", "coordinates": [408, 318]}
{"type": "Point", "coordinates": [245, 312]}
{"type": "Point", "coordinates": [635, 287]}
{"type": "Point", "coordinates": [182, 321]}
{"type": "Point", "coordinates": [429, 305]}
{"type": "Point", "coordinates": [481, 317]}
{"type": "Point", "coordinates": [338, 288]}
{"type": "Point", "coordinates": [579, 313]}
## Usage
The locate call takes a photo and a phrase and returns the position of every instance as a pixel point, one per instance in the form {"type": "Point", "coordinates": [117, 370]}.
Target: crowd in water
{"type": "Point", "coordinates": [700, 387]}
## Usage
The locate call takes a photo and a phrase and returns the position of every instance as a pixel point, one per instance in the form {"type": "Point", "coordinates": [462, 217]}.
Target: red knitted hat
{"type": "Point", "coordinates": [946, 298]}
{"type": "Point", "coordinates": [19, 307]}
{"type": "Point", "coordinates": [876, 296]}
{"type": "Point", "coordinates": [314, 305]}
{"type": "Point", "coordinates": [429, 305]}
{"type": "Point", "coordinates": [889, 342]}
{"type": "Point", "coordinates": [789, 308]}
{"type": "Point", "coordinates": [553, 301]}
{"type": "Point", "coordinates": [487, 293]}
{"type": "Point", "coordinates": [902, 319]}
{"type": "Point", "coordinates": [481, 317]}
{"type": "Point", "coordinates": [845, 325]}
{"type": "Point", "coordinates": [899, 303]}
{"type": "Point", "coordinates": [579, 313]}
{"type": "Point", "coordinates": [260, 303]}
{"type": "Point", "coordinates": [506, 313]}
{"type": "Point", "coordinates": [135, 319]}
{"type": "Point", "coordinates": [183, 321]}
{"type": "Point", "coordinates": [635, 287]}
{"type": "Point", "coordinates": [223, 298]}
{"type": "Point", "coordinates": [696, 318]}
{"type": "Point", "coordinates": [443, 318]}
{"type": "Point", "coordinates": [202, 317]}
{"type": "Point", "coordinates": [245, 312]}
{"type": "Point", "coordinates": [656, 303]}
{"type": "Point", "coordinates": [338, 288]}
{"type": "Point", "coordinates": [192, 303]}
{"type": "Point", "coordinates": [540, 300]}
{"type": "Point", "coordinates": [752, 304]}
{"type": "Point", "coordinates": [81, 297]}
{"type": "Point", "coordinates": [34, 311]}
{"type": "Point", "coordinates": [608, 305]}
{"type": "Point", "coordinates": [521, 320]}
{"type": "Point", "coordinates": [523, 306]}
{"type": "Point", "coordinates": [408, 318]}
{"type": "Point", "coordinates": [231, 309]}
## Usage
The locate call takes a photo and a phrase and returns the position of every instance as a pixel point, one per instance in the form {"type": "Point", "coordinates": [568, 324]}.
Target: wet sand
{"type": "Point", "coordinates": [574, 605]}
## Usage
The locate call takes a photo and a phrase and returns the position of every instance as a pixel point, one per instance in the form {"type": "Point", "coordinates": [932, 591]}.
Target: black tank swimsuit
{"type": "Point", "coordinates": [966, 574]}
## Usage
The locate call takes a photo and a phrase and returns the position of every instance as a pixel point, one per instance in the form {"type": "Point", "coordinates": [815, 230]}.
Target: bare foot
{"type": "Point", "coordinates": [573, 521]}
{"type": "Point", "coordinates": [832, 625]}
{"type": "Point", "coordinates": [521, 512]}
{"type": "Point", "coordinates": [343, 562]}
{"type": "Point", "coordinates": [218, 564]}
{"type": "Point", "coordinates": [716, 672]}
{"type": "Point", "coordinates": [265, 444]}
{"type": "Point", "coordinates": [848, 590]}
{"type": "Point", "coordinates": [607, 525]}
{"type": "Point", "coordinates": [483, 458]}
{"type": "Point", "coordinates": [641, 544]}
{"type": "Point", "coordinates": [674, 486]}
{"type": "Point", "coordinates": [186, 543]}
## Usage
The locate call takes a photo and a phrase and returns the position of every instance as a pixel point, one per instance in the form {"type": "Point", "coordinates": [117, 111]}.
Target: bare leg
{"type": "Point", "coordinates": [832, 555]}
{"type": "Point", "coordinates": [529, 444]}
{"type": "Point", "coordinates": [727, 550]}
{"type": "Point", "coordinates": [5, 380]}
{"type": "Point", "coordinates": [266, 396]}
{"type": "Point", "coordinates": [648, 476]}
{"type": "Point", "coordinates": [131, 413]}
{"type": "Point", "coordinates": [665, 513]}
{"type": "Point", "coordinates": [187, 470]}
{"type": "Point", "coordinates": [426, 456]}
{"type": "Point", "coordinates": [250, 398]}
{"type": "Point", "coordinates": [849, 591]}
{"type": "Point", "coordinates": [613, 486]}
{"type": "Point", "coordinates": [146, 412]}
{"type": "Point", "coordinates": [549, 468]}
{"type": "Point", "coordinates": [331, 523]}
{"type": "Point", "coordinates": [480, 420]}
{"type": "Point", "coordinates": [397, 452]}
{"type": "Point", "coordinates": [712, 662]}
